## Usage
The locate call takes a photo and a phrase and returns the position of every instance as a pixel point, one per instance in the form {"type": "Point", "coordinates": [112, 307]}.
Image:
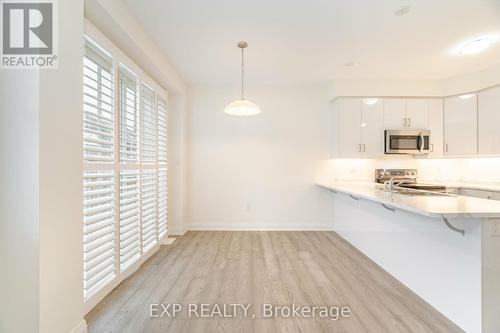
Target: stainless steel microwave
{"type": "Point", "coordinates": [407, 142]}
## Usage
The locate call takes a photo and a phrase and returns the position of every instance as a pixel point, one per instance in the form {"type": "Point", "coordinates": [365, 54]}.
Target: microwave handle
{"type": "Point", "coordinates": [421, 142]}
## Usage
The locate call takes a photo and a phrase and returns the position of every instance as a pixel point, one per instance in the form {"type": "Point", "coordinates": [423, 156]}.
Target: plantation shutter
{"type": "Point", "coordinates": [162, 130]}
{"type": "Point", "coordinates": [130, 249]}
{"type": "Point", "coordinates": [162, 202]}
{"type": "Point", "coordinates": [129, 116]}
{"type": "Point", "coordinates": [149, 209]}
{"type": "Point", "coordinates": [148, 124]}
{"type": "Point", "coordinates": [98, 110]}
{"type": "Point", "coordinates": [99, 230]}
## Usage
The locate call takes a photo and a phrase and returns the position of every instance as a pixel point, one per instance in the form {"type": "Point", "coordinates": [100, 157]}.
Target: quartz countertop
{"type": "Point", "coordinates": [448, 206]}
{"type": "Point", "coordinates": [493, 187]}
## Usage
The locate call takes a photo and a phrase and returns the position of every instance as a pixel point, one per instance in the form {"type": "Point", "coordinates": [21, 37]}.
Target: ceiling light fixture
{"type": "Point", "coordinates": [466, 96]}
{"type": "Point", "coordinates": [475, 46]}
{"type": "Point", "coordinates": [370, 101]}
{"type": "Point", "coordinates": [242, 106]}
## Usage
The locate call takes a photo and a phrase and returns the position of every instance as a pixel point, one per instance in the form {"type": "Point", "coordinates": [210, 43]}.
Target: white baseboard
{"type": "Point", "coordinates": [173, 233]}
{"type": "Point", "coordinates": [167, 241]}
{"type": "Point", "coordinates": [81, 327]}
{"type": "Point", "coordinates": [259, 227]}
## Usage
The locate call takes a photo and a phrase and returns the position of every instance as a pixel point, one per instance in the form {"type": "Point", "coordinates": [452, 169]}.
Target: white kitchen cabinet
{"type": "Point", "coordinates": [348, 127]}
{"type": "Point", "coordinates": [488, 121]}
{"type": "Point", "coordinates": [496, 195]}
{"type": "Point", "coordinates": [460, 125]}
{"type": "Point", "coordinates": [359, 127]}
{"type": "Point", "coordinates": [404, 114]}
{"type": "Point", "coordinates": [435, 124]}
{"type": "Point", "coordinates": [372, 126]}
{"type": "Point", "coordinates": [417, 110]}
{"type": "Point", "coordinates": [395, 114]}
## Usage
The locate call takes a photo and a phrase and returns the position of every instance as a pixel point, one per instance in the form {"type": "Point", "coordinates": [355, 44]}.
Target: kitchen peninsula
{"type": "Point", "coordinates": [441, 246]}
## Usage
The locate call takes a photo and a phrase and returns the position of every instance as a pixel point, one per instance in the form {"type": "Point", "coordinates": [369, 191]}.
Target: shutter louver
{"type": "Point", "coordinates": [98, 110]}
{"type": "Point", "coordinates": [129, 117]}
{"type": "Point", "coordinates": [130, 249]}
{"type": "Point", "coordinates": [162, 202]}
{"type": "Point", "coordinates": [148, 125]}
{"type": "Point", "coordinates": [149, 209]}
{"type": "Point", "coordinates": [99, 230]}
{"type": "Point", "coordinates": [162, 130]}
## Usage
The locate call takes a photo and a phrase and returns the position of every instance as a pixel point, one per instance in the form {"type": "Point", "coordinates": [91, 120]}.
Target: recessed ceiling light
{"type": "Point", "coordinates": [475, 46]}
{"type": "Point", "coordinates": [466, 96]}
{"type": "Point", "coordinates": [370, 101]}
{"type": "Point", "coordinates": [402, 11]}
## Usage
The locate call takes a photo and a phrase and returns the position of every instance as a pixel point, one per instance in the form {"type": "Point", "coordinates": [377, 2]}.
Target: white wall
{"type": "Point", "coordinates": [460, 169]}
{"type": "Point", "coordinates": [258, 172]}
{"type": "Point", "coordinates": [456, 85]}
{"type": "Point", "coordinates": [61, 180]}
{"type": "Point", "coordinates": [19, 300]}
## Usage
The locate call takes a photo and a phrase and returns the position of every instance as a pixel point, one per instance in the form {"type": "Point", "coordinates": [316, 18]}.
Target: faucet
{"type": "Point", "coordinates": [390, 186]}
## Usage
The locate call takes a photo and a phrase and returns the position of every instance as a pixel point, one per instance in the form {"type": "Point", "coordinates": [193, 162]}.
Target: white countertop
{"type": "Point", "coordinates": [493, 187]}
{"type": "Point", "coordinates": [449, 206]}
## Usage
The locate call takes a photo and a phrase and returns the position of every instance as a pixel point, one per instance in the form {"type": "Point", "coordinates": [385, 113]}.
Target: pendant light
{"type": "Point", "coordinates": [242, 106]}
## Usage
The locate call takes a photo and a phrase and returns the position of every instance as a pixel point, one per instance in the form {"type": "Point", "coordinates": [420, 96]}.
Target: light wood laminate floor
{"type": "Point", "coordinates": [280, 268]}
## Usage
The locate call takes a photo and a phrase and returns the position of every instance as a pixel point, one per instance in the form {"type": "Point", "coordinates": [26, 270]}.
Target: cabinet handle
{"type": "Point", "coordinates": [364, 148]}
{"type": "Point", "coordinates": [359, 148]}
{"type": "Point", "coordinates": [405, 122]}
{"type": "Point", "coordinates": [446, 147]}
{"type": "Point", "coordinates": [409, 122]}
{"type": "Point", "coordinates": [432, 147]}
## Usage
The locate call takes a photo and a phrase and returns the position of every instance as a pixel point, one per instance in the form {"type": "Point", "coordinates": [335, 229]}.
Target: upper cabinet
{"type": "Point", "coordinates": [372, 127]}
{"type": "Point", "coordinates": [348, 127]}
{"type": "Point", "coordinates": [401, 114]}
{"type": "Point", "coordinates": [417, 113]}
{"type": "Point", "coordinates": [359, 128]}
{"type": "Point", "coordinates": [436, 123]}
{"type": "Point", "coordinates": [395, 114]}
{"type": "Point", "coordinates": [460, 125]}
{"type": "Point", "coordinates": [488, 120]}
{"type": "Point", "coordinates": [463, 125]}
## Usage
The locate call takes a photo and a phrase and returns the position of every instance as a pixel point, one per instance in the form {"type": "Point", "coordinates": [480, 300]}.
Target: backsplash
{"type": "Point", "coordinates": [467, 169]}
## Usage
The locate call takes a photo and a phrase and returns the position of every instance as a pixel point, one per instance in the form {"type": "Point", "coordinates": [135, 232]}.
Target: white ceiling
{"type": "Point", "coordinates": [310, 41]}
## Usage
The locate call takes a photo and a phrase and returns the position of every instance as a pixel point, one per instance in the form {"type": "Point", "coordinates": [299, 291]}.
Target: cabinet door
{"type": "Point", "coordinates": [436, 126]}
{"type": "Point", "coordinates": [372, 126]}
{"type": "Point", "coordinates": [349, 127]}
{"type": "Point", "coordinates": [460, 125]}
{"type": "Point", "coordinates": [417, 112]}
{"type": "Point", "coordinates": [496, 195]}
{"type": "Point", "coordinates": [395, 114]}
{"type": "Point", "coordinates": [488, 121]}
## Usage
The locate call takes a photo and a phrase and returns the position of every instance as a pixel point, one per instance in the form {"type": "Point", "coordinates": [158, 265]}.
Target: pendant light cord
{"type": "Point", "coordinates": [242, 74]}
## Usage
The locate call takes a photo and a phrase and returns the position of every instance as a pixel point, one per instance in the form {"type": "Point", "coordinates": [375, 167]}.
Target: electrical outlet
{"type": "Point", "coordinates": [494, 228]}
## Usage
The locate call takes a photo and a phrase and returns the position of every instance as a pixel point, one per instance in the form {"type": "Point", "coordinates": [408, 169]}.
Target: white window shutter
{"type": "Point", "coordinates": [99, 230]}
{"type": "Point", "coordinates": [98, 109]}
{"type": "Point", "coordinates": [129, 116]}
{"type": "Point", "coordinates": [162, 202]}
{"type": "Point", "coordinates": [149, 209]}
{"type": "Point", "coordinates": [162, 130]}
{"type": "Point", "coordinates": [148, 124]}
{"type": "Point", "coordinates": [130, 249]}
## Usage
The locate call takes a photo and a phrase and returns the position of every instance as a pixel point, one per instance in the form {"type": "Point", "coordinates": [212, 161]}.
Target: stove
{"type": "Point", "coordinates": [406, 178]}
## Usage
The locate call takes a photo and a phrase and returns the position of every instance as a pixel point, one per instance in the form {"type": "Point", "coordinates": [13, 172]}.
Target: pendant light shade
{"type": "Point", "coordinates": [242, 106]}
